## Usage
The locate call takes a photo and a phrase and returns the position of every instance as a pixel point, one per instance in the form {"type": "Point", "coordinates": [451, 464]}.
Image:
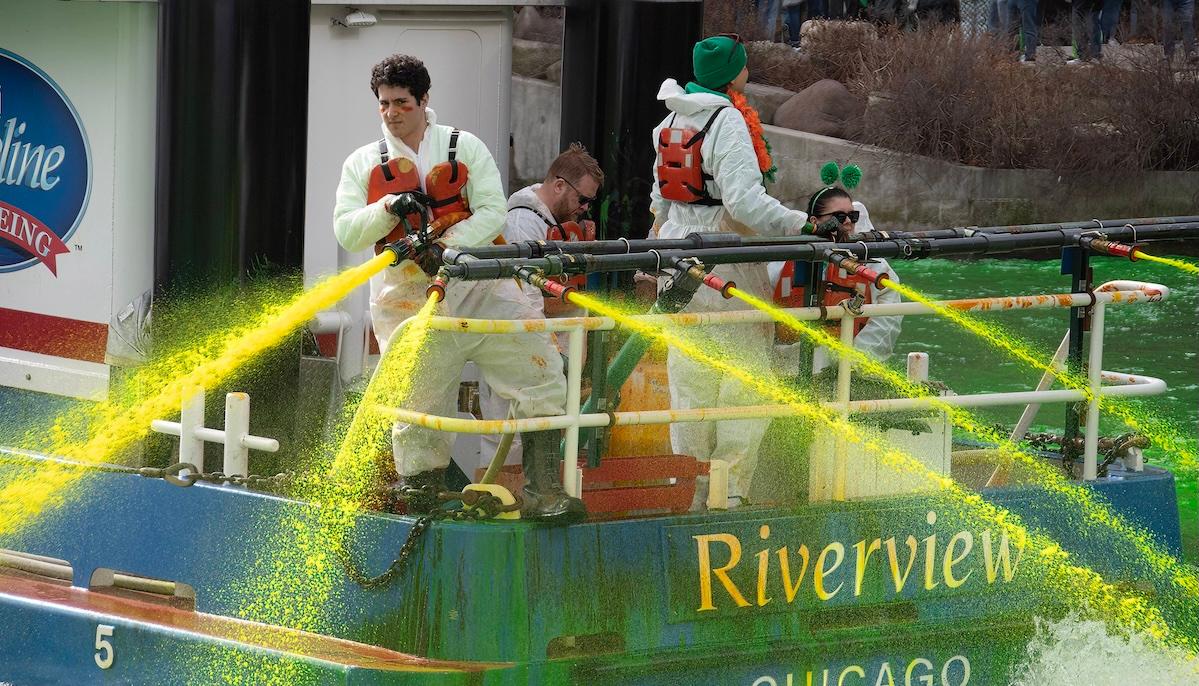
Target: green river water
{"type": "Point", "coordinates": [1157, 339]}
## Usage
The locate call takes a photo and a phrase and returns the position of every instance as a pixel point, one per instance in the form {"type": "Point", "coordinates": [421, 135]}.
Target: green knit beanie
{"type": "Point", "coordinates": [717, 61]}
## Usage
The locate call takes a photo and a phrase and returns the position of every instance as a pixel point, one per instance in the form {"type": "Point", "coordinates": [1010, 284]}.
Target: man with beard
{"type": "Point", "coordinates": [566, 194]}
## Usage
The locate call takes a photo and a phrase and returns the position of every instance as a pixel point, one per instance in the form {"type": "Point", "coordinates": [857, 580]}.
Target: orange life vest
{"type": "Point", "coordinates": [443, 187]}
{"type": "Point", "coordinates": [565, 231]}
{"type": "Point", "coordinates": [834, 289]}
{"type": "Point", "coordinates": [680, 172]}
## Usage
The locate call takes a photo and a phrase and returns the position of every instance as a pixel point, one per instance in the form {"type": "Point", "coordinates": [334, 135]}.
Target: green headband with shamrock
{"type": "Point", "coordinates": [830, 172]}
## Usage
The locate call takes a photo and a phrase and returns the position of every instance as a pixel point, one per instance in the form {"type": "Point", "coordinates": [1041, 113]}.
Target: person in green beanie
{"type": "Point", "coordinates": [710, 174]}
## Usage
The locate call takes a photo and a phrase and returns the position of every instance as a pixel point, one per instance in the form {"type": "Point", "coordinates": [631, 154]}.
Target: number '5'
{"type": "Point", "coordinates": [104, 654]}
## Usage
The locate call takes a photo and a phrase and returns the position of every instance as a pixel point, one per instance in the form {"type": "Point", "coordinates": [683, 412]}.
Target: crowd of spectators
{"type": "Point", "coordinates": [1093, 23]}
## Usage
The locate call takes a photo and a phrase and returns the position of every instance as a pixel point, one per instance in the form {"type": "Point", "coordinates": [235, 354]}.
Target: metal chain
{"type": "Point", "coordinates": [477, 506]}
{"type": "Point", "coordinates": [1111, 448]}
{"type": "Point", "coordinates": [174, 475]}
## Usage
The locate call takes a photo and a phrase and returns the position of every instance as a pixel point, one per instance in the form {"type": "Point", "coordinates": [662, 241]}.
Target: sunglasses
{"type": "Point", "coordinates": [842, 216]}
{"type": "Point", "coordinates": [583, 199]}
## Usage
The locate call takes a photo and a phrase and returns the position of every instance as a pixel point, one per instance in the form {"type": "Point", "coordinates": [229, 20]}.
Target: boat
{"type": "Point", "coordinates": [870, 574]}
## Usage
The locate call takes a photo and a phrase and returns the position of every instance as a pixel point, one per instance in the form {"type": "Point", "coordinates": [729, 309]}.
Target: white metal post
{"type": "Point", "coordinates": [237, 427]}
{"type": "Point", "coordinates": [191, 446]}
{"type": "Point", "coordinates": [844, 371]}
{"type": "Point", "coordinates": [718, 485]}
{"type": "Point", "coordinates": [1047, 379]}
{"type": "Point", "coordinates": [1090, 468]}
{"type": "Point", "coordinates": [572, 479]}
{"type": "Point", "coordinates": [918, 367]}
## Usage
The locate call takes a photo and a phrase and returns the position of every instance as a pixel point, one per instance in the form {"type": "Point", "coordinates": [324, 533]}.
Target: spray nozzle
{"type": "Point", "coordinates": [405, 248]}
{"type": "Point", "coordinates": [857, 271]}
{"type": "Point", "coordinates": [716, 283]}
{"type": "Point", "coordinates": [440, 282]}
{"type": "Point", "coordinates": [550, 287]}
{"type": "Point", "coordinates": [1099, 243]}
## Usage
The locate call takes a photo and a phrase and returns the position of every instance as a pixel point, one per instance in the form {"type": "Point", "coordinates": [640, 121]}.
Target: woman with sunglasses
{"type": "Point", "coordinates": [833, 213]}
{"type": "Point", "coordinates": [710, 173]}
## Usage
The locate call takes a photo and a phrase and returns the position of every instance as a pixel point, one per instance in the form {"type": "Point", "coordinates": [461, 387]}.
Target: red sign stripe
{"type": "Point", "coordinates": [56, 336]}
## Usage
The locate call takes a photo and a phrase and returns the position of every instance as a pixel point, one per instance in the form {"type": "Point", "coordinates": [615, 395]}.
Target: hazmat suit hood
{"type": "Point", "coordinates": [689, 104]}
{"type": "Point", "coordinates": [527, 197]}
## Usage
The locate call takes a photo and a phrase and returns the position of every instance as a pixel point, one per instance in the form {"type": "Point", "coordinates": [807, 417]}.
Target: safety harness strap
{"type": "Point", "coordinates": [535, 211]}
{"type": "Point", "coordinates": [383, 157]}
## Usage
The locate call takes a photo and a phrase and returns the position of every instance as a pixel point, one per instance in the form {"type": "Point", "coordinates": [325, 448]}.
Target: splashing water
{"type": "Point", "coordinates": [297, 574]}
{"type": "Point", "coordinates": [1177, 264]}
{"type": "Point", "coordinates": [1077, 651]}
{"type": "Point", "coordinates": [1057, 571]}
{"type": "Point", "coordinates": [24, 497]}
{"type": "Point", "coordinates": [1181, 584]}
{"type": "Point", "coordinates": [1155, 431]}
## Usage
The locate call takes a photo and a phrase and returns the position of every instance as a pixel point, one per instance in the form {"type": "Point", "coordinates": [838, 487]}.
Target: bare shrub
{"type": "Point", "coordinates": [836, 52]}
{"type": "Point", "coordinates": [1140, 115]}
{"type": "Point", "coordinates": [733, 16]}
{"type": "Point", "coordinates": [934, 93]}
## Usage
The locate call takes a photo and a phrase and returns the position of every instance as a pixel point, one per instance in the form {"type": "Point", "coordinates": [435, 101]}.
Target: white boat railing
{"type": "Point", "coordinates": [1101, 383]}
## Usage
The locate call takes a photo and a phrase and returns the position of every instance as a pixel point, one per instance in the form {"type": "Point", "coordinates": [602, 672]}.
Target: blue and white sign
{"type": "Point", "coordinates": [45, 167]}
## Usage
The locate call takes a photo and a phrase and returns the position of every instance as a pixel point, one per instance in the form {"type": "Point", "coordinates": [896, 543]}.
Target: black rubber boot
{"type": "Point", "coordinates": [417, 493]}
{"type": "Point", "coordinates": [544, 499]}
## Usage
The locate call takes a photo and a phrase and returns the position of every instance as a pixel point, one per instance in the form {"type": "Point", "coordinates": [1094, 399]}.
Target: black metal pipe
{"type": "Point", "coordinates": [1076, 263]}
{"type": "Point", "coordinates": [1093, 224]}
{"type": "Point", "coordinates": [979, 244]}
{"type": "Point", "coordinates": [535, 249]}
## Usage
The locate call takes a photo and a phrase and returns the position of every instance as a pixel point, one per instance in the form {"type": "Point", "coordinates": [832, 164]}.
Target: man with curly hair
{"type": "Point", "coordinates": [524, 368]}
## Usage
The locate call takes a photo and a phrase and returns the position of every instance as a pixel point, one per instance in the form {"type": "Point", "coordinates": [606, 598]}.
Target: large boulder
{"type": "Point", "coordinates": [534, 58]}
{"type": "Point", "coordinates": [825, 107]}
{"type": "Point", "coordinates": [532, 23]}
{"type": "Point", "coordinates": [766, 99]}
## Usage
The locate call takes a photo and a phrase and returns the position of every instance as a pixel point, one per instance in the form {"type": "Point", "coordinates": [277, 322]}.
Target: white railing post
{"type": "Point", "coordinates": [235, 437]}
{"type": "Point", "coordinates": [237, 428]}
{"type": "Point", "coordinates": [718, 485]}
{"type": "Point", "coordinates": [918, 367]}
{"type": "Point", "coordinates": [1090, 462]}
{"type": "Point", "coordinates": [191, 446]}
{"type": "Point", "coordinates": [844, 373]}
{"type": "Point", "coordinates": [572, 476]}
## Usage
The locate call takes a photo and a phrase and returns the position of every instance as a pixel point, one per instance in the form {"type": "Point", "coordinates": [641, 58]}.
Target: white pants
{"type": "Point", "coordinates": [694, 384]}
{"type": "Point", "coordinates": [523, 368]}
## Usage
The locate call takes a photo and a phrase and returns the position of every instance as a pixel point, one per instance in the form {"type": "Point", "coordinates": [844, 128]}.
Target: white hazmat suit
{"type": "Point", "coordinates": [877, 338]}
{"type": "Point", "coordinates": [525, 368]}
{"type": "Point", "coordinates": [728, 156]}
{"type": "Point", "coordinates": [528, 220]}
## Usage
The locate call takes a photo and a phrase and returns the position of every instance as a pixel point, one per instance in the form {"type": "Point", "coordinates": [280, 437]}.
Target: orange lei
{"type": "Point", "coordinates": [754, 123]}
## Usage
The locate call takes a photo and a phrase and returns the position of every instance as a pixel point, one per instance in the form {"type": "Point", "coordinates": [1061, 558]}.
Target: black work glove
{"type": "Point", "coordinates": [827, 229]}
{"type": "Point", "coordinates": [430, 258]}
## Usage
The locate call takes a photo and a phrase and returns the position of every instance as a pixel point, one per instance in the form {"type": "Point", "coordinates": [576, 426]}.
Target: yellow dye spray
{"type": "Point", "coordinates": [1186, 458]}
{"type": "Point", "coordinates": [1177, 264]}
{"type": "Point", "coordinates": [1060, 574]}
{"type": "Point", "coordinates": [295, 577]}
{"type": "Point", "coordinates": [24, 497]}
{"type": "Point", "coordinates": [1095, 514]}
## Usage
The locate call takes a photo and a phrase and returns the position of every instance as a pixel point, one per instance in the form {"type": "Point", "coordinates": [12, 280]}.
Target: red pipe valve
{"type": "Point", "coordinates": [716, 283]}
{"type": "Point", "coordinates": [858, 271]}
{"type": "Point", "coordinates": [550, 287]}
{"type": "Point", "coordinates": [1112, 248]}
{"type": "Point", "coordinates": [440, 282]}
